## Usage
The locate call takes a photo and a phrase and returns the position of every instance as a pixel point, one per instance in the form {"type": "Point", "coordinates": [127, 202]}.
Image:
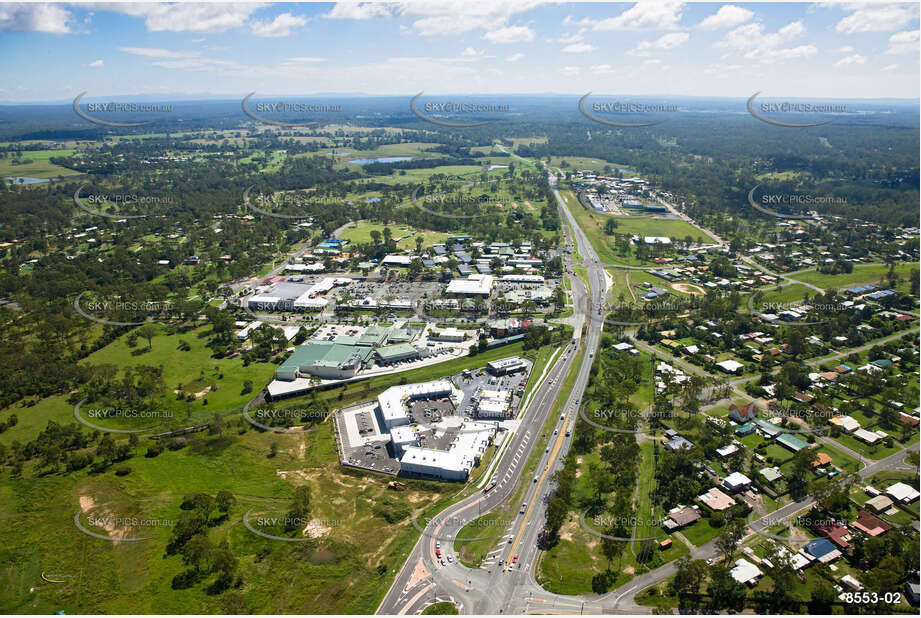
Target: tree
{"type": "Point", "coordinates": [727, 542]}
{"type": "Point", "coordinates": [148, 332]}
{"type": "Point", "coordinates": [224, 500]}
{"type": "Point", "coordinates": [724, 591]}
{"type": "Point", "coordinates": [300, 508]}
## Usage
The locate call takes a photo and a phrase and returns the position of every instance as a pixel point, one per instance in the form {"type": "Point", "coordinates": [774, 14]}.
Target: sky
{"type": "Point", "coordinates": [53, 52]}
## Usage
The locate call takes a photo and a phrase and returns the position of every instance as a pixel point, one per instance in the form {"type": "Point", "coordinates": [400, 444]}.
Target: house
{"type": "Point", "coordinates": [736, 482]}
{"type": "Point", "coordinates": [745, 572]}
{"type": "Point", "coordinates": [716, 500]}
{"type": "Point", "coordinates": [822, 550]}
{"type": "Point", "coordinates": [730, 366]}
{"type": "Point", "coordinates": [678, 443]}
{"type": "Point", "coordinates": [744, 413]}
{"type": "Point", "coordinates": [836, 533]}
{"type": "Point", "coordinates": [770, 430]}
{"type": "Point", "coordinates": [770, 474]}
{"type": "Point", "coordinates": [727, 450]}
{"type": "Point", "coordinates": [870, 437]}
{"type": "Point", "coordinates": [900, 492]}
{"type": "Point", "coordinates": [870, 524]}
{"type": "Point", "coordinates": [681, 518]}
{"type": "Point", "coordinates": [846, 423]}
{"type": "Point", "coordinates": [791, 442]}
{"type": "Point", "coordinates": [745, 430]}
{"type": "Point", "coordinates": [879, 504]}
{"type": "Point", "coordinates": [821, 459]}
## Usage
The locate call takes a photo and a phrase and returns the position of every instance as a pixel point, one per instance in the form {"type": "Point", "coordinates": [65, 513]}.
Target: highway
{"type": "Point", "coordinates": [512, 589]}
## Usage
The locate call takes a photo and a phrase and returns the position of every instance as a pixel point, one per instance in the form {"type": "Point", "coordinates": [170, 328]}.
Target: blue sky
{"type": "Point", "coordinates": [52, 52]}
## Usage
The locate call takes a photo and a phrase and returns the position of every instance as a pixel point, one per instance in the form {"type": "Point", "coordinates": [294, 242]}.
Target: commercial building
{"type": "Point", "coordinates": [393, 407]}
{"type": "Point", "coordinates": [324, 359]}
{"type": "Point", "coordinates": [506, 366]}
{"type": "Point", "coordinates": [455, 463]}
{"type": "Point", "coordinates": [474, 285]}
{"type": "Point", "coordinates": [401, 438]}
{"type": "Point", "coordinates": [493, 403]}
{"type": "Point", "coordinates": [389, 354]}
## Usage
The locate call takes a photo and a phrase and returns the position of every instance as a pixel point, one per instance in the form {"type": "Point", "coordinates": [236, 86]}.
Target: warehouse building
{"type": "Point", "coordinates": [324, 359]}
{"type": "Point", "coordinates": [390, 354]}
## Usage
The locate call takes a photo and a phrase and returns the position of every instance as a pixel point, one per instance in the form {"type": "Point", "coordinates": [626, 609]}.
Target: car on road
{"type": "Point", "coordinates": [442, 562]}
{"type": "Point", "coordinates": [524, 506]}
{"type": "Point", "coordinates": [515, 559]}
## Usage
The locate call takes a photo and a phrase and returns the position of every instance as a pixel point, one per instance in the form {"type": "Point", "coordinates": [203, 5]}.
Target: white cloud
{"type": "Point", "coordinates": [721, 71]}
{"type": "Point", "coordinates": [360, 10]}
{"type": "Point", "coordinates": [645, 15]}
{"type": "Point", "coordinates": [903, 42]}
{"type": "Point", "coordinates": [570, 71]}
{"type": "Point", "coordinates": [570, 21]}
{"type": "Point", "coordinates": [48, 18]}
{"type": "Point", "coordinates": [878, 18]}
{"type": "Point", "coordinates": [846, 49]}
{"type": "Point", "coordinates": [891, 67]}
{"type": "Point", "coordinates": [158, 52]}
{"type": "Point", "coordinates": [281, 26]}
{"type": "Point", "coordinates": [849, 60]}
{"type": "Point", "coordinates": [601, 69]}
{"type": "Point", "coordinates": [301, 60]}
{"type": "Point", "coordinates": [752, 43]}
{"type": "Point", "coordinates": [728, 16]}
{"type": "Point", "coordinates": [652, 61]}
{"type": "Point", "coordinates": [471, 53]}
{"type": "Point", "coordinates": [96, 64]}
{"type": "Point", "coordinates": [510, 34]}
{"type": "Point", "coordinates": [663, 43]}
{"type": "Point", "coordinates": [180, 17]}
{"type": "Point", "coordinates": [448, 17]}
{"type": "Point", "coordinates": [514, 57]}
{"type": "Point", "coordinates": [579, 48]}
{"type": "Point", "coordinates": [570, 38]}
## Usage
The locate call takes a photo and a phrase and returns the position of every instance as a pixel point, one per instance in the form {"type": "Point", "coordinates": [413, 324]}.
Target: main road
{"type": "Point", "coordinates": [490, 588]}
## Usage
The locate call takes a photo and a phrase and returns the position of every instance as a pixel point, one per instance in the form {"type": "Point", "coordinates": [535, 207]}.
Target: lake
{"type": "Point", "coordinates": [25, 180]}
{"type": "Point", "coordinates": [380, 160]}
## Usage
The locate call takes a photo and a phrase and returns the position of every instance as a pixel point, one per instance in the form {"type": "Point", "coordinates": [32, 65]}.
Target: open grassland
{"type": "Point", "coordinates": [360, 232]}
{"type": "Point", "coordinates": [39, 166]}
{"type": "Point", "coordinates": [364, 532]}
{"type": "Point", "coordinates": [862, 274]}
{"type": "Point", "coordinates": [217, 381]}
{"type": "Point", "coordinates": [592, 223]}
{"type": "Point", "coordinates": [572, 164]}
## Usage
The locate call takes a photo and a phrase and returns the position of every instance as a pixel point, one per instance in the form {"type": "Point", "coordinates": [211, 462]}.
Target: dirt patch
{"type": "Point", "coordinates": [316, 529]}
{"type": "Point", "coordinates": [629, 570]}
{"type": "Point", "coordinates": [104, 516]}
{"type": "Point", "coordinates": [689, 288]}
{"type": "Point", "coordinates": [530, 206]}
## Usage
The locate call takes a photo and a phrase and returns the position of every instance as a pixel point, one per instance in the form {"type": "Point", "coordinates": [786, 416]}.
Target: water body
{"type": "Point", "coordinates": [497, 167]}
{"type": "Point", "coordinates": [25, 180]}
{"type": "Point", "coordinates": [380, 160]}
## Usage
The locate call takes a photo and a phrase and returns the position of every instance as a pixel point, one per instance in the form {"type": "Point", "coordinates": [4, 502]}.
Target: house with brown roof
{"type": "Point", "coordinates": [870, 524]}
{"type": "Point", "coordinates": [836, 533]}
{"type": "Point", "coordinates": [744, 413]}
{"type": "Point", "coordinates": [681, 518]}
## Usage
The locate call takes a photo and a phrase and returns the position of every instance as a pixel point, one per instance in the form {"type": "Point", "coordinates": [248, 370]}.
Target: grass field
{"type": "Point", "coordinates": [863, 273]}
{"type": "Point", "coordinates": [592, 224]}
{"type": "Point", "coordinates": [360, 232]}
{"type": "Point", "coordinates": [40, 167]}
{"type": "Point", "coordinates": [195, 370]}
{"type": "Point", "coordinates": [337, 572]}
